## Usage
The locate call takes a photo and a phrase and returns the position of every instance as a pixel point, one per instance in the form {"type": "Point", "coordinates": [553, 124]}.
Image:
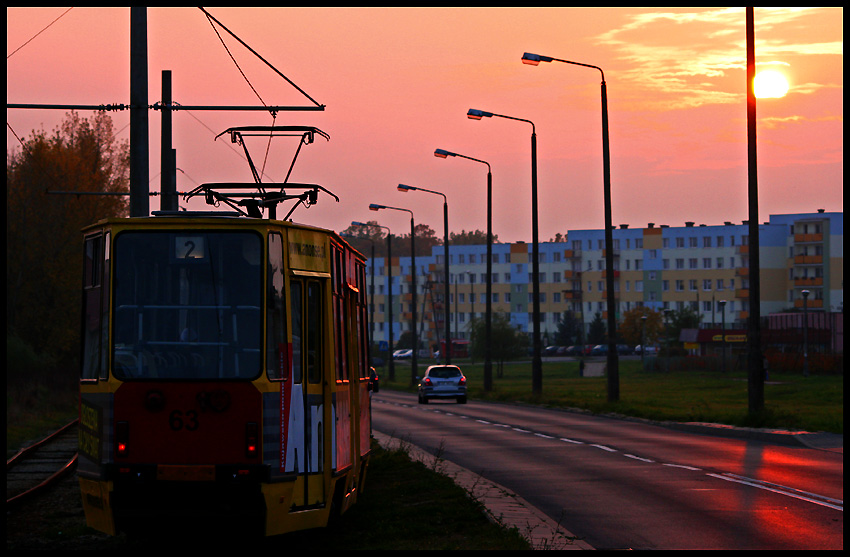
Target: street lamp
{"type": "Point", "coordinates": [413, 360]}
{"type": "Point", "coordinates": [447, 349]}
{"type": "Point", "coordinates": [536, 362]}
{"type": "Point", "coordinates": [488, 320]}
{"type": "Point", "coordinates": [613, 359]}
{"type": "Point", "coordinates": [389, 265]}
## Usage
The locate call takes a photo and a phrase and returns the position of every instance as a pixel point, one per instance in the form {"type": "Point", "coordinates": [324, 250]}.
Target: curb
{"type": "Point", "coordinates": [502, 505]}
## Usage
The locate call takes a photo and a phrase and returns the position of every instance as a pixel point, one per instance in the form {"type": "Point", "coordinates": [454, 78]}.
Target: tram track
{"type": "Point", "coordinates": [43, 464]}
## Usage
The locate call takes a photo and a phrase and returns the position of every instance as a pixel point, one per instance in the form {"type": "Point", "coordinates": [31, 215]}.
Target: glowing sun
{"type": "Point", "coordinates": [770, 84]}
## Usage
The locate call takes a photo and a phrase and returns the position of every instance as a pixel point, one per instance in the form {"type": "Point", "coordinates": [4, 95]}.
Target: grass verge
{"type": "Point", "coordinates": [814, 403]}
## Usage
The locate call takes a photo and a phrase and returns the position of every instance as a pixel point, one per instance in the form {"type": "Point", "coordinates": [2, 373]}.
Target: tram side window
{"type": "Point", "coordinates": [277, 352]}
{"type": "Point", "coordinates": [95, 318]}
{"type": "Point", "coordinates": [314, 332]}
{"type": "Point", "coordinates": [297, 334]}
{"type": "Point", "coordinates": [307, 346]}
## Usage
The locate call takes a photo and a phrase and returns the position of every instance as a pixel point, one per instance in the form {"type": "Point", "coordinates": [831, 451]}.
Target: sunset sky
{"type": "Point", "coordinates": [397, 84]}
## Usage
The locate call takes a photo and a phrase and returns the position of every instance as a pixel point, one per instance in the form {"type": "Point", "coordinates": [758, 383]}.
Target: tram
{"type": "Point", "coordinates": [224, 370]}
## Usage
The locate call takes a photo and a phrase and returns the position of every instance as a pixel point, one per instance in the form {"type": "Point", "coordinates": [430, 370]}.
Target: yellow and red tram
{"type": "Point", "coordinates": [224, 372]}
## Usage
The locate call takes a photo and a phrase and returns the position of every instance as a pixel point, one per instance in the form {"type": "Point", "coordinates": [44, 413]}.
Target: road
{"type": "Point", "coordinates": [626, 484]}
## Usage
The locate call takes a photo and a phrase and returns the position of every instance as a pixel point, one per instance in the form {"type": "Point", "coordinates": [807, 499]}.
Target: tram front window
{"type": "Point", "coordinates": [186, 305]}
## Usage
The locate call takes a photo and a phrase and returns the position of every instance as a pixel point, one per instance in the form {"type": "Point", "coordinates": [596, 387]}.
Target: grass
{"type": "Point", "coordinates": [407, 506]}
{"type": "Point", "coordinates": [814, 403]}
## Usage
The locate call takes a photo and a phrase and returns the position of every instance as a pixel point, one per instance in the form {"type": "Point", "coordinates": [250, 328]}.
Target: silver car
{"type": "Point", "coordinates": [442, 382]}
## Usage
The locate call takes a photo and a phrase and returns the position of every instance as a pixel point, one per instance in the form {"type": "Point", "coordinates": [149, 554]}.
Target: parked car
{"type": "Point", "coordinates": [624, 349]}
{"type": "Point", "coordinates": [649, 349]}
{"type": "Point", "coordinates": [403, 354]}
{"type": "Point", "coordinates": [442, 381]}
{"type": "Point", "coordinates": [599, 350]}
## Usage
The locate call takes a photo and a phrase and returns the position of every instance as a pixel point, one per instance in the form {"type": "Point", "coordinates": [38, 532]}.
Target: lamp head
{"type": "Point", "coordinates": [374, 207]}
{"type": "Point", "coordinates": [358, 223]}
{"type": "Point", "coordinates": [402, 187]}
{"type": "Point", "coordinates": [534, 59]}
{"type": "Point", "coordinates": [442, 153]}
{"type": "Point", "coordinates": [474, 114]}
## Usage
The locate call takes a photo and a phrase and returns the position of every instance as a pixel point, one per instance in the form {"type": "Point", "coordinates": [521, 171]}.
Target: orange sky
{"type": "Point", "coordinates": [397, 84]}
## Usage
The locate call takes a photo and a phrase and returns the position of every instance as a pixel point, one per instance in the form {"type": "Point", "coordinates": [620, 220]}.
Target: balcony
{"type": "Point", "coordinates": [812, 304]}
{"type": "Point", "coordinates": [808, 260]}
{"type": "Point", "coordinates": [808, 238]}
{"type": "Point", "coordinates": [805, 282]}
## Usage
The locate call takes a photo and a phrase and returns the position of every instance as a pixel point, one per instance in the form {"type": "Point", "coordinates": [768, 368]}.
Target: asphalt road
{"type": "Point", "coordinates": [627, 484]}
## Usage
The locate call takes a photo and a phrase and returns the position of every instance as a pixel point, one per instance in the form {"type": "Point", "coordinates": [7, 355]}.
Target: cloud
{"type": "Point", "coordinates": [678, 59]}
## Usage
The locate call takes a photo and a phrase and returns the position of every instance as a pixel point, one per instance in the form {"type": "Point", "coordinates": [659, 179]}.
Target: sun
{"type": "Point", "coordinates": [770, 84]}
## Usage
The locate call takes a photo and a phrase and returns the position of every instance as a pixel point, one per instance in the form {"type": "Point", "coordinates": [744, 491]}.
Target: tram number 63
{"type": "Point", "coordinates": [178, 420]}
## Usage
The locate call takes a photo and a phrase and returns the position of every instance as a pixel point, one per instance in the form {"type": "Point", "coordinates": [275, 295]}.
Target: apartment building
{"type": "Point", "coordinates": [658, 266]}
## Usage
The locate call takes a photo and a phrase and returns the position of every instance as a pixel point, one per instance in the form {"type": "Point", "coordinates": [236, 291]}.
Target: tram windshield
{"type": "Point", "coordinates": [186, 305]}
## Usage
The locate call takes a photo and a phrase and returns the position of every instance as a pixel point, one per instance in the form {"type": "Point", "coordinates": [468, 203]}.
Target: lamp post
{"type": "Point", "coordinates": [613, 358]}
{"type": "Point", "coordinates": [488, 315]}
{"type": "Point", "coordinates": [755, 375]}
{"type": "Point", "coordinates": [805, 333]}
{"type": "Point", "coordinates": [471, 276]}
{"type": "Point", "coordinates": [536, 362]}
{"type": "Point", "coordinates": [413, 362]}
{"type": "Point", "coordinates": [448, 346]}
{"type": "Point", "coordinates": [723, 335]}
{"type": "Point", "coordinates": [389, 266]}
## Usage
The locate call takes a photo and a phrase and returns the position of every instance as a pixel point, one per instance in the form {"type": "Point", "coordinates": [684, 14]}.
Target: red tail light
{"type": "Point", "coordinates": [462, 381]}
{"type": "Point", "coordinates": [122, 438]}
{"type": "Point", "coordinates": [427, 381]}
{"type": "Point", "coordinates": [252, 440]}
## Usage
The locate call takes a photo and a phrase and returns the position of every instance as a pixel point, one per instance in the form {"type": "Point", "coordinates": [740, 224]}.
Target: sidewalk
{"type": "Point", "coordinates": [503, 505]}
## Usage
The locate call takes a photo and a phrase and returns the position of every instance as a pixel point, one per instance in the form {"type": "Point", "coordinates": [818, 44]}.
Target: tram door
{"type": "Point", "coordinates": [307, 397]}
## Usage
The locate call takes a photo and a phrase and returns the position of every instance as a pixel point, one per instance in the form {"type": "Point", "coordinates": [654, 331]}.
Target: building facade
{"type": "Point", "coordinates": [659, 266]}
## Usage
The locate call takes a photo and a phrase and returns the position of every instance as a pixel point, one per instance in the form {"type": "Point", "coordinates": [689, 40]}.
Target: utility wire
{"type": "Point", "coordinates": [39, 33]}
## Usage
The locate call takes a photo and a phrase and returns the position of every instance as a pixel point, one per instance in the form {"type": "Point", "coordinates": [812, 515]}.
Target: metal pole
{"type": "Point", "coordinates": [536, 361]}
{"type": "Point", "coordinates": [139, 162]}
{"type": "Point", "coordinates": [613, 371]}
{"type": "Point", "coordinates": [168, 162]}
{"type": "Point", "coordinates": [805, 333]}
{"type": "Point", "coordinates": [413, 360]}
{"type": "Point", "coordinates": [390, 304]}
{"type": "Point", "coordinates": [448, 346]}
{"type": "Point", "coordinates": [488, 316]}
{"type": "Point", "coordinates": [756, 373]}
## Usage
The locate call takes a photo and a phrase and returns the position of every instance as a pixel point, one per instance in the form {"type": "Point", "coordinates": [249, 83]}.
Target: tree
{"type": "Point", "coordinates": [362, 237]}
{"type": "Point", "coordinates": [632, 326]}
{"type": "Point", "coordinates": [569, 330]}
{"type": "Point", "coordinates": [685, 318]}
{"type": "Point", "coordinates": [43, 242]}
{"type": "Point", "coordinates": [471, 238]}
{"type": "Point", "coordinates": [507, 342]}
{"type": "Point", "coordinates": [597, 332]}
